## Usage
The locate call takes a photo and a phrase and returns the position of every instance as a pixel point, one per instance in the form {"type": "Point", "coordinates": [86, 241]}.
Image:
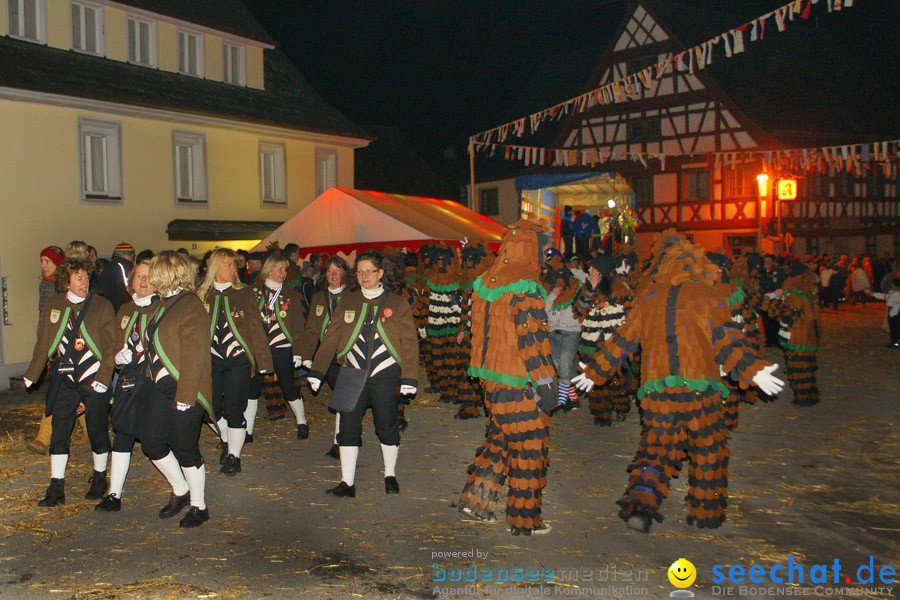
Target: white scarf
{"type": "Point", "coordinates": [373, 293]}
{"type": "Point", "coordinates": [222, 286]}
{"type": "Point", "coordinates": [336, 291]}
{"type": "Point", "coordinates": [175, 293]}
{"type": "Point", "coordinates": [142, 302]}
{"type": "Point", "coordinates": [275, 287]}
{"type": "Point", "coordinates": [73, 298]}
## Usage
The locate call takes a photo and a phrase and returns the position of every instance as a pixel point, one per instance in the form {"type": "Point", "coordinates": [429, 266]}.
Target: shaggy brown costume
{"type": "Point", "coordinates": [684, 324]}
{"type": "Point", "coordinates": [475, 260]}
{"type": "Point", "coordinates": [798, 317]}
{"type": "Point", "coordinates": [511, 354]}
{"type": "Point", "coordinates": [440, 307]}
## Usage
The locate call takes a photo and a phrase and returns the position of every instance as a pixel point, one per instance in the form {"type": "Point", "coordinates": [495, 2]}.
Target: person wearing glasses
{"type": "Point", "coordinates": [322, 306]}
{"type": "Point", "coordinates": [371, 329]}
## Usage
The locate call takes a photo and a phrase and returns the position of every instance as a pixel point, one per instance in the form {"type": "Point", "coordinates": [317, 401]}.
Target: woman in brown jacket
{"type": "Point", "coordinates": [282, 313]}
{"type": "Point", "coordinates": [239, 347]}
{"type": "Point", "coordinates": [179, 363]}
{"type": "Point", "coordinates": [372, 329]}
{"type": "Point", "coordinates": [82, 365]}
{"type": "Point", "coordinates": [321, 307]}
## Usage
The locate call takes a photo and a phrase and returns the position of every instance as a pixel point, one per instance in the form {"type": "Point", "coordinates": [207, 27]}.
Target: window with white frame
{"type": "Point", "coordinates": [27, 19]}
{"type": "Point", "coordinates": [87, 28]}
{"type": "Point", "coordinates": [190, 53]}
{"type": "Point", "coordinates": [234, 63]}
{"type": "Point", "coordinates": [190, 167]}
{"type": "Point", "coordinates": [100, 148]}
{"type": "Point", "coordinates": [142, 42]}
{"type": "Point", "coordinates": [272, 177]}
{"type": "Point", "coordinates": [326, 169]}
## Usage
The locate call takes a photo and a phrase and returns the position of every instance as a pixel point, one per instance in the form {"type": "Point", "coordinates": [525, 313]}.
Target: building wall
{"type": "Point", "coordinates": [508, 201]}
{"type": "Point", "coordinates": [41, 199]}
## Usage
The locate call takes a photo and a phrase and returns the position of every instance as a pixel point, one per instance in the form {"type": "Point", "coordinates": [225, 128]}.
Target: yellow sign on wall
{"type": "Point", "coordinates": [787, 189]}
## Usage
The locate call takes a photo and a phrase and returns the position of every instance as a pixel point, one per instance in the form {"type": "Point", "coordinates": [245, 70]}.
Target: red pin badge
{"type": "Point", "coordinates": [387, 313]}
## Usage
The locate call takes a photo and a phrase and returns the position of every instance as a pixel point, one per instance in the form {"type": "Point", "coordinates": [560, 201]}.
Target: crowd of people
{"type": "Point", "coordinates": [155, 345]}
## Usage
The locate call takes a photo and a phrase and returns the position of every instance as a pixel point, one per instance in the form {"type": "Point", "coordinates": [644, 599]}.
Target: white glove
{"type": "Point", "coordinates": [99, 387]}
{"type": "Point", "coordinates": [262, 371]}
{"type": "Point", "coordinates": [298, 361]}
{"type": "Point", "coordinates": [28, 383]}
{"type": "Point", "coordinates": [307, 364]}
{"type": "Point", "coordinates": [181, 406]}
{"type": "Point", "coordinates": [314, 383]}
{"type": "Point", "coordinates": [583, 383]}
{"type": "Point", "coordinates": [767, 382]}
{"type": "Point", "coordinates": [124, 356]}
{"type": "Point", "coordinates": [422, 333]}
{"type": "Point", "coordinates": [408, 390]}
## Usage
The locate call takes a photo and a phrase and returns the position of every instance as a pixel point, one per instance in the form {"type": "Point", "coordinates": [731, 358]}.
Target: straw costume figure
{"type": "Point", "coordinates": [475, 260]}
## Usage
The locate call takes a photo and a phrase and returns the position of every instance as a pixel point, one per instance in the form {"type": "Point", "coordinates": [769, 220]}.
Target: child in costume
{"type": "Point", "coordinates": [683, 322]}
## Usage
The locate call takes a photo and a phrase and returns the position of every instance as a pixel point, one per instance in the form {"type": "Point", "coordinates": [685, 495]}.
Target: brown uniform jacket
{"type": "Point", "coordinates": [288, 313]}
{"type": "Point", "coordinates": [98, 330]}
{"type": "Point", "coordinates": [245, 321]}
{"type": "Point", "coordinates": [125, 318]}
{"type": "Point", "coordinates": [320, 310]}
{"type": "Point", "coordinates": [182, 341]}
{"type": "Point", "coordinates": [396, 328]}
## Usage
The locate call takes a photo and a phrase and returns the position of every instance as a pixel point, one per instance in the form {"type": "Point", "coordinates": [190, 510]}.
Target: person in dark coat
{"type": "Point", "coordinates": [113, 281]}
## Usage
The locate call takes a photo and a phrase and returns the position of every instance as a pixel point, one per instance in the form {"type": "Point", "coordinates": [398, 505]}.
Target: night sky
{"type": "Point", "coordinates": [443, 70]}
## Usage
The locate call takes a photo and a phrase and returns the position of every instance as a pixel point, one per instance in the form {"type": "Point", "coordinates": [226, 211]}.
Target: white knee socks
{"type": "Point", "coordinates": [236, 439]}
{"type": "Point", "coordinates": [337, 425]}
{"type": "Point", "coordinates": [58, 465]}
{"type": "Point", "coordinates": [100, 461]}
{"type": "Point", "coordinates": [250, 414]}
{"type": "Point", "coordinates": [118, 470]}
{"type": "Point", "coordinates": [196, 481]}
{"type": "Point", "coordinates": [389, 454]}
{"type": "Point", "coordinates": [299, 411]}
{"type": "Point", "coordinates": [171, 470]}
{"type": "Point", "coordinates": [223, 429]}
{"type": "Point", "coordinates": [349, 454]}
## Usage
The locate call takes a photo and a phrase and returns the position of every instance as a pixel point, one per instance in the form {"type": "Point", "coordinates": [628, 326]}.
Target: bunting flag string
{"type": "Point", "coordinates": [729, 44]}
{"type": "Point", "coordinates": [859, 159]}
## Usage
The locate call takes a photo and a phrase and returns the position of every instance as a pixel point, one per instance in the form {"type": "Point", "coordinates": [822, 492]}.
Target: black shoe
{"type": "Point", "coordinates": [391, 486]}
{"type": "Point", "coordinates": [56, 493]}
{"type": "Point", "coordinates": [98, 486]}
{"type": "Point", "coordinates": [176, 503]}
{"type": "Point", "coordinates": [232, 466]}
{"type": "Point", "coordinates": [248, 439]}
{"type": "Point", "coordinates": [572, 405]}
{"type": "Point", "coordinates": [335, 452]}
{"type": "Point", "coordinates": [194, 517]}
{"type": "Point", "coordinates": [639, 521]}
{"type": "Point", "coordinates": [223, 447]}
{"type": "Point", "coordinates": [109, 504]}
{"type": "Point", "coordinates": [342, 490]}
{"type": "Point", "coordinates": [302, 431]}
{"type": "Point", "coordinates": [402, 424]}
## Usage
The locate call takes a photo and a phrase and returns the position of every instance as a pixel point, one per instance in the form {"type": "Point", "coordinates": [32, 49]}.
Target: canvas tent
{"type": "Point", "coordinates": [344, 220]}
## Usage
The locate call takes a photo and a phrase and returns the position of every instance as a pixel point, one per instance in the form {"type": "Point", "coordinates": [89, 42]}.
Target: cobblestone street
{"type": "Point", "coordinates": [817, 483]}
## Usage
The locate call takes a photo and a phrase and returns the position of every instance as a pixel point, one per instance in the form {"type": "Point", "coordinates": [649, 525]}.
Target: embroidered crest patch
{"type": "Point", "coordinates": [124, 322]}
{"type": "Point", "coordinates": [54, 316]}
{"type": "Point", "coordinates": [319, 310]}
{"type": "Point", "coordinates": [349, 316]}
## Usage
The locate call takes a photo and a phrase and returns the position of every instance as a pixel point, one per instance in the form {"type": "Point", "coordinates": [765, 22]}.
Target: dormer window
{"type": "Point", "coordinates": [142, 42]}
{"type": "Point", "coordinates": [87, 28]}
{"type": "Point", "coordinates": [234, 64]}
{"type": "Point", "coordinates": [190, 53]}
{"type": "Point", "coordinates": [28, 20]}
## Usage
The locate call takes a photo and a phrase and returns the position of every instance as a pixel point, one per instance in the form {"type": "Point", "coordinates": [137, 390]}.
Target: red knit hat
{"type": "Point", "coordinates": [53, 255]}
{"type": "Point", "coordinates": [124, 248]}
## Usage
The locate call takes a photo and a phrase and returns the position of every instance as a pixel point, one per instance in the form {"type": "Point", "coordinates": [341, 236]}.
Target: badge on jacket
{"type": "Point", "coordinates": [124, 322]}
{"type": "Point", "coordinates": [54, 316]}
{"type": "Point", "coordinates": [387, 313]}
{"type": "Point", "coordinates": [319, 310]}
{"type": "Point", "coordinates": [349, 316]}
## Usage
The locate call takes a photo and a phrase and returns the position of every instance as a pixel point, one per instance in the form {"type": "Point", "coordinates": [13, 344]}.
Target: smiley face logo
{"type": "Point", "coordinates": [682, 573]}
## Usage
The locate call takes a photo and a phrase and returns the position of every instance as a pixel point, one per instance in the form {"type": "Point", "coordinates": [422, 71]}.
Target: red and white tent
{"type": "Point", "coordinates": [346, 220]}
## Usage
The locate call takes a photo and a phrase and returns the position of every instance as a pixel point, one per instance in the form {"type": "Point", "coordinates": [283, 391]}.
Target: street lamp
{"type": "Point", "coordinates": [762, 181]}
{"type": "Point", "coordinates": [611, 203]}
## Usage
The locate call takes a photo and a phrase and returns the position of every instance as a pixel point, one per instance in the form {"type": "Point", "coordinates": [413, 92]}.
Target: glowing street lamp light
{"type": "Point", "coordinates": [611, 203]}
{"type": "Point", "coordinates": [763, 181]}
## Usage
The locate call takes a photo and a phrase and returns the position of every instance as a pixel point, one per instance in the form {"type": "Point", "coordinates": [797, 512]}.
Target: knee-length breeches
{"type": "Point", "coordinates": [231, 388]}
{"type": "Point", "coordinates": [165, 428]}
{"type": "Point", "coordinates": [96, 415]}
{"type": "Point", "coordinates": [382, 394]}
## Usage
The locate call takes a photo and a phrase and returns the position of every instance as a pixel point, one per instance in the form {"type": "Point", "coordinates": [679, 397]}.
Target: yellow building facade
{"type": "Point", "coordinates": [139, 146]}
